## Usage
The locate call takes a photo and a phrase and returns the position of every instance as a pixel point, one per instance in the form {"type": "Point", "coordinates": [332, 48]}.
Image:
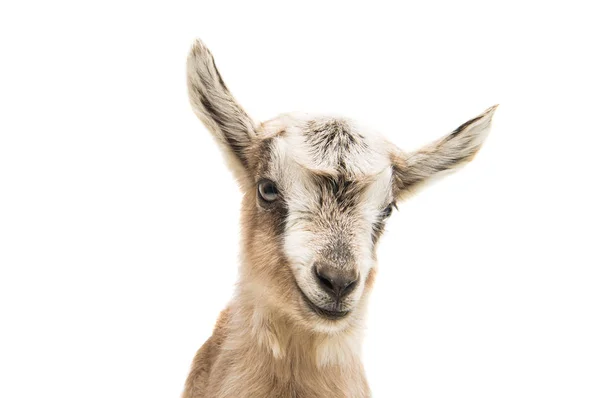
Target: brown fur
{"type": "Point", "coordinates": [271, 341]}
{"type": "Point", "coordinates": [239, 359]}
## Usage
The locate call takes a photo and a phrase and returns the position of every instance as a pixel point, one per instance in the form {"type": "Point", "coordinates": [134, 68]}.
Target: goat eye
{"type": "Point", "coordinates": [267, 190]}
{"type": "Point", "coordinates": [387, 211]}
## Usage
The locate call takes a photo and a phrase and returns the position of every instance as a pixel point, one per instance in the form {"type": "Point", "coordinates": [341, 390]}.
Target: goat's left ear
{"type": "Point", "coordinates": [214, 105]}
{"type": "Point", "coordinates": [414, 169]}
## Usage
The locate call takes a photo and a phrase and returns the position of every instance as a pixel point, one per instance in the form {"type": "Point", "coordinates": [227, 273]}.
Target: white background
{"type": "Point", "coordinates": [119, 220]}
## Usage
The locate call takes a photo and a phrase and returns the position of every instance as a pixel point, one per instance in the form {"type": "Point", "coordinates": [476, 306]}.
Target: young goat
{"type": "Point", "coordinates": [317, 191]}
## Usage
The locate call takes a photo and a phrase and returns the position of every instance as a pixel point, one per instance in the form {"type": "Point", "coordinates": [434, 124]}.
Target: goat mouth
{"type": "Point", "coordinates": [322, 312]}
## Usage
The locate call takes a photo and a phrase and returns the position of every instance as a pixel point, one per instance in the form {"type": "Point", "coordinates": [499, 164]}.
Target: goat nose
{"type": "Point", "coordinates": [337, 283]}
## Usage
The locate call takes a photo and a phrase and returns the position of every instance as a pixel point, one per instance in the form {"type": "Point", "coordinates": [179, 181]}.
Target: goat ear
{"type": "Point", "coordinates": [414, 169]}
{"type": "Point", "coordinates": [216, 108]}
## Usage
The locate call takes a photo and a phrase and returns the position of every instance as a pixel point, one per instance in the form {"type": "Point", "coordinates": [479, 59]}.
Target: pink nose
{"type": "Point", "coordinates": [336, 282]}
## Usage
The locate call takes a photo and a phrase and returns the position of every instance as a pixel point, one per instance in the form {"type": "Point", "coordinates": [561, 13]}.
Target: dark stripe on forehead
{"type": "Point", "coordinates": [338, 191]}
{"type": "Point", "coordinates": [323, 134]}
{"type": "Point", "coordinates": [334, 140]}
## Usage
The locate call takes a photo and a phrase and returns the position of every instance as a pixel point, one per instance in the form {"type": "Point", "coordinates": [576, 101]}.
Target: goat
{"type": "Point", "coordinates": [317, 191]}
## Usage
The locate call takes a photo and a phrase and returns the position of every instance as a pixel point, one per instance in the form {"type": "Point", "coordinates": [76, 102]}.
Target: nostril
{"type": "Point", "coordinates": [325, 282]}
{"type": "Point", "coordinates": [349, 287]}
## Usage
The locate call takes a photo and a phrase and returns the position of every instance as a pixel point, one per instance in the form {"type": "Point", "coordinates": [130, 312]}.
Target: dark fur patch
{"type": "Point", "coordinates": [219, 76]}
{"type": "Point", "coordinates": [270, 215]}
{"type": "Point", "coordinates": [236, 141]}
{"type": "Point", "coordinates": [377, 231]}
{"type": "Point", "coordinates": [463, 126]}
{"type": "Point", "coordinates": [337, 191]}
{"type": "Point", "coordinates": [332, 139]}
{"type": "Point", "coordinates": [261, 157]}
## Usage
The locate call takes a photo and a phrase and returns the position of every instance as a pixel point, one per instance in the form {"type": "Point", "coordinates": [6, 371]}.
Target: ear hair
{"type": "Point", "coordinates": [414, 169]}
{"type": "Point", "coordinates": [214, 105]}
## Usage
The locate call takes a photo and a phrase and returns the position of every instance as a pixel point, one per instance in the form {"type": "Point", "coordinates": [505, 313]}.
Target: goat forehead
{"type": "Point", "coordinates": [331, 145]}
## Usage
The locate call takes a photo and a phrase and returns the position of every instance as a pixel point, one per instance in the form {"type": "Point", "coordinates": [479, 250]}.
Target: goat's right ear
{"type": "Point", "coordinates": [217, 109]}
{"type": "Point", "coordinates": [413, 170]}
